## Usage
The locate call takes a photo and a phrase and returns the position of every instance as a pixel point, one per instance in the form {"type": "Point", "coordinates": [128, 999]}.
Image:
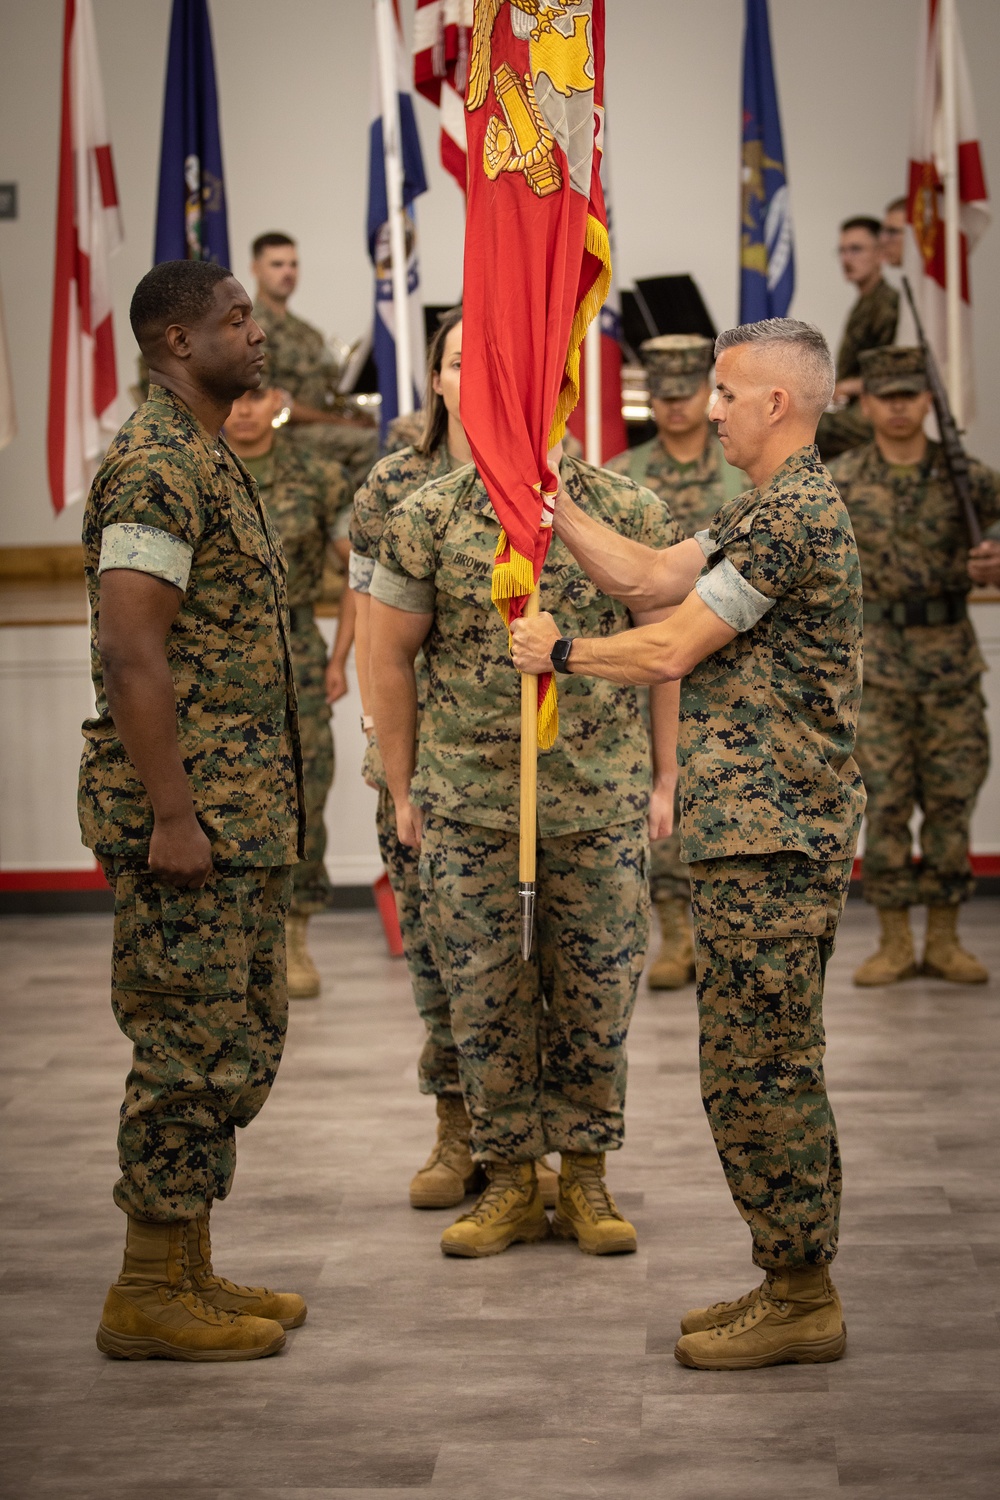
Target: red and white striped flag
{"type": "Point", "coordinates": [83, 382]}
{"type": "Point", "coordinates": [441, 33]}
{"type": "Point", "coordinates": [933, 128]}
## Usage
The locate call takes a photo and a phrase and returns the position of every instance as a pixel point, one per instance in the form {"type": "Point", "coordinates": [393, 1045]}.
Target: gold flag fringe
{"type": "Point", "coordinates": [599, 246]}
{"type": "Point", "coordinates": [548, 717]}
{"type": "Point", "coordinates": [513, 575]}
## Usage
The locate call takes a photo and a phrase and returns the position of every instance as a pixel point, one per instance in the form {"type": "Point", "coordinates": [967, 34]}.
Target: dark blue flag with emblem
{"type": "Point", "coordinates": [767, 251]}
{"type": "Point", "coordinates": [191, 207]}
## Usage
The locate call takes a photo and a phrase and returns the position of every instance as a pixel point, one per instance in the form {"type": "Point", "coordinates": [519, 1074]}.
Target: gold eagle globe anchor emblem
{"type": "Point", "coordinates": [520, 140]}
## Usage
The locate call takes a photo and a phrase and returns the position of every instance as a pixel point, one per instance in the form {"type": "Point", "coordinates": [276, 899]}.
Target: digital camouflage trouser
{"type": "Point", "coordinates": [437, 1067]}
{"type": "Point", "coordinates": [927, 750]}
{"type": "Point", "coordinates": [198, 987]}
{"type": "Point", "coordinates": [541, 1045]}
{"type": "Point", "coordinates": [765, 928]}
{"type": "Point", "coordinates": [311, 888]}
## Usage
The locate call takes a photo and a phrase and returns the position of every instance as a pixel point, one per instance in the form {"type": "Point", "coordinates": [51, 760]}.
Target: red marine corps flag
{"type": "Point", "coordinates": [83, 383]}
{"type": "Point", "coordinates": [537, 266]}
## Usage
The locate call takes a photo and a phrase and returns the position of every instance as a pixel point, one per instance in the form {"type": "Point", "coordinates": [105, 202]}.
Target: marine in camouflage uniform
{"type": "Point", "coordinates": [301, 364]}
{"type": "Point", "coordinates": [772, 802]}
{"type": "Point", "coordinates": [871, 324]}
{"type": "Point", "coordinates": [540, 1044]}
{"type": "Point", "coordinates": [922, 736]}
{"type": "Point", "coordinates": [767, 727]}
{"type": "Point", "coordinates": [678, 367]}
{"type": "Point", "coordinates": [197, 975]}
{"type": "Point", "coordinates": [393, 478]}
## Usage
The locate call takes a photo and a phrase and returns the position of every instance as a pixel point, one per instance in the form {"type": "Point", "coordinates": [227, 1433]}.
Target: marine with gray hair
{"type": "Point", "coordinates": [766, 638]}
{"type": "Point", "coordinates": [685, 466]}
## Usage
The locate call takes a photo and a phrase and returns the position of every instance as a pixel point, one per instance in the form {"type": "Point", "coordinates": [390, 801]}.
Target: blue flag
{"type": "Point", "coordinates": [191, 208]}
{"type": "Point", "coordinates": [767, 251]}
{"type": "Point", "coordinates": [414, 183]}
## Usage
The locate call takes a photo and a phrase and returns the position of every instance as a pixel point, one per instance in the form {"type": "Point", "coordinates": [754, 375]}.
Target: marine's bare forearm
{"type": "Point", "coordinates": [641, 577]}
{"type": "Point", "coordinates": [393, 689]}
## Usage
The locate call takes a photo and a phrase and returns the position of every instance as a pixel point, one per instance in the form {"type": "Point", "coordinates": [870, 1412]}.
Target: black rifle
{"type": "Point", "coordinates": [951, 444]}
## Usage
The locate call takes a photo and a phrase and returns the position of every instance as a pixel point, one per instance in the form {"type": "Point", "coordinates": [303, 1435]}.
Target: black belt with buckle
{"type": "Point", "coordinates": [943, 609]}
{"type": "Point", "coordinates": [301, 616]}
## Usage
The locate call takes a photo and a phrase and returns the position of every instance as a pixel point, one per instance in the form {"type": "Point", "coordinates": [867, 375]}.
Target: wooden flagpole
{"type": "Point", "coordinates": [529, 797]}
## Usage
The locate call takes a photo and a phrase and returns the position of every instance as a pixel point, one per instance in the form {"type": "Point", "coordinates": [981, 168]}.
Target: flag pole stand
{"type": "Point", "coordinates": [529, 798]}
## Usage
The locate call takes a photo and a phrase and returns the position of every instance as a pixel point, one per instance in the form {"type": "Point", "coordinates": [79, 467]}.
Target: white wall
{"type": "Point", "coordinates": [294, 87]}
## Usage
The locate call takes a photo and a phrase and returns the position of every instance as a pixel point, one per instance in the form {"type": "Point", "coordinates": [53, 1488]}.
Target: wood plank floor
{"type": "Point", "coordinates": [542, 1372]}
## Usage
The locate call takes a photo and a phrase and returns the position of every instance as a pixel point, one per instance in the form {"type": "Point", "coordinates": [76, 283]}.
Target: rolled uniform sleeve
{"type": "Point", "coordinates": [753, 563]}
{"type": "Point", "coordinates": [407, 562]}
{"type": "Point", "coordinates": [151, 516]}
{"type": "Point", "coordinates": [146, 549]}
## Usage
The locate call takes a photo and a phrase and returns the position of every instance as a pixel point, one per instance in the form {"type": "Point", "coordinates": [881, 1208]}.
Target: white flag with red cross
{"type": "Point", "coordinates": [83, 381]}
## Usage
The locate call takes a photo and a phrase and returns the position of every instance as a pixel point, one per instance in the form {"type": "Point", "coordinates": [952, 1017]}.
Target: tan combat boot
{"type": "Point", "coordinates": [674, 966]}
{"type": "Point", "coordinates": [586, 1211]}
{"type": "Point", "coordinates": [509, 1210]}
{"type": "Point", "coordinates": [153, 1312]}
{"type": "Point", "coordinates": [303, 975]}
{"type": "Point", "coordinates": [944, 958]}
{"type": "Point", "coordinates": [286, 1308]}
{"type": "Point", "coordinates": [449, 1172]}
{"type": "Point", "coordinates": [719, 1313]}
{"type": "Point", "coordinates": [795, 1318]}
{"type": "Point", "coordinates": [895, 958]}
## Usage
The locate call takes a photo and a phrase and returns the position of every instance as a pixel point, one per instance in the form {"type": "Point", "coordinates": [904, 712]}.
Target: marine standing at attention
{"type": "Point", "coordinates": [308, 500]}
{"type": "Point", "coordinates": [767, 643]}
{"type": "Point", "coordinates": [190, 796]}
{"type": "Point", "coordinates": [870, 325]}
{"type": "Point", "coordinates": [302, 365]}
{"type": "Point", "coordinates": [922, 736]}
{"type": "Point", "coordinates": [685, 465]}
{"type": "Point", "coordinates": [441, 447]}
{"type": "Point", "coordinates": [540, 1045]}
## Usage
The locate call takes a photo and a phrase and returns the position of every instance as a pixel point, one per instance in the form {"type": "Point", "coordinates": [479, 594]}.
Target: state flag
{"type": "Point", "coordinates": [767, 250]}
{"type": "Point", "coordinates": [191, 221]}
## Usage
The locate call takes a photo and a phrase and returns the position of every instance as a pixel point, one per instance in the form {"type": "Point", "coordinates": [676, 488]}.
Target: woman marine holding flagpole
{"type": "Point", "coordinates": [538, 1046]}
{"type": "Point", "coordinates": [449, 1172]}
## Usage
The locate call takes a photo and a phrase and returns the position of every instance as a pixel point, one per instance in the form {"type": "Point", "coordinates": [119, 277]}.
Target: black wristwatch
{"type": "Point", "coordinates": [559, 654]}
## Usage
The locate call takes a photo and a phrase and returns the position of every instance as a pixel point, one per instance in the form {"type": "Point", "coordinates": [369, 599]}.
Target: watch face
{"type": "Point", "coordinates": [560, 654]}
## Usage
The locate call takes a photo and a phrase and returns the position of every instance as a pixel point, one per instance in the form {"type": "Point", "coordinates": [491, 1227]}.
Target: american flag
{"type": "Point", "coordinates": [440, 71]}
